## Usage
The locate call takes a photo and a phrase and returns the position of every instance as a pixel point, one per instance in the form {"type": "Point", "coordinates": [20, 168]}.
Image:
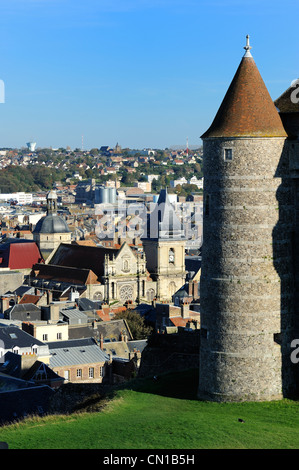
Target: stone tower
{"type": "Point", "coordinates": [164, 246]}
{"type": "Point", "coordinates": [246, 274]}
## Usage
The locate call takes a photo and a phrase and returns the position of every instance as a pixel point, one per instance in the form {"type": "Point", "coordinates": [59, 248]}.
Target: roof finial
{"type": "Point", "coordinates": [247, 47]}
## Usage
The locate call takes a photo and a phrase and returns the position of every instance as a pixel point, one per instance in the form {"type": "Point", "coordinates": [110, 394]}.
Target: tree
{"type": "Point", "coordinates": [136, 324]}
{"type": "Point", "coordinates": [94, 152]}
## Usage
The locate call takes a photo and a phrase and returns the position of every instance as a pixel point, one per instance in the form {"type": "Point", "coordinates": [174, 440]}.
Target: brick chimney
{"type": "Point", "coordinates": [185, 310]}
{"type": "Point", "coordinates": [49, 297]}
{"type": "Point", "coordinates": [101, 341]}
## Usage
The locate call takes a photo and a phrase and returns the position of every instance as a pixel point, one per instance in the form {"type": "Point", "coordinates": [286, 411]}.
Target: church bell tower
{"type": "Point", "coordinates": [164, 246]}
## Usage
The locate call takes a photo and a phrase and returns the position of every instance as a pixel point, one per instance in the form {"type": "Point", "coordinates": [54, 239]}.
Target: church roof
{"type": "Point", "coordinates": [247, 109]}
{"type": "Point", "coordinates": [72, 275]}
{"type": "Point", "coordinates": [163, 223]}
{"type": "Point", "coordinates": [82, 257]}
{"type": "Point", "coordinates": [51, 223]}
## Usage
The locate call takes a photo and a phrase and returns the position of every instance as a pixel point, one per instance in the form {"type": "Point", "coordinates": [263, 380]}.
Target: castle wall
{"type": "Point", "coordinates": [247, 281]}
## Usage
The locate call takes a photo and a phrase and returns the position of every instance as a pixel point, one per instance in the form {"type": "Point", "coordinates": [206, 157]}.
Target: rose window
{"type": "Point", "coordinates": [126, 293]}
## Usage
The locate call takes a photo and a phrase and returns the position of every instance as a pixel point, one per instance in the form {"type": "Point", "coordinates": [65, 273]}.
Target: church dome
{"type": "Point", "coordinates": [51, 223]}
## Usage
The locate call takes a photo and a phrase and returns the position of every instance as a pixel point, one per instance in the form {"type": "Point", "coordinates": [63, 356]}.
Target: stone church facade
{"type": "Point", "coordinates": [121, 274]}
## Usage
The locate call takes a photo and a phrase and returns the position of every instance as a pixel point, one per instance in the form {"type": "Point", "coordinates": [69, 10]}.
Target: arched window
{"type": "Point", "coordinates": [126, 265]}
{"type": "Point", "coordinates": [171, 257]}
{"type": "Point", "coordinates": [150, 295]}
{"type": "Point", "coordinates": [143, 288]}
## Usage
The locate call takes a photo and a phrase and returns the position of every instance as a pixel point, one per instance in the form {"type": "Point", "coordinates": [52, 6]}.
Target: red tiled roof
{"type": "Point", "coordinates": [29, 299]}
{"type": "Point", "coordinates": [247, 109]}
{"type": "Point", "coordinates": [103, 315]}
{"type": "Point", "coordinates": [20, 255]}
{"type": "Point", "coordinates": [179, 321]}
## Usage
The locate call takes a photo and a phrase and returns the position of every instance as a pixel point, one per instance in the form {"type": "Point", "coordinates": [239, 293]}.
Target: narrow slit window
{"type": "Point", "coordinates": [228, 155]}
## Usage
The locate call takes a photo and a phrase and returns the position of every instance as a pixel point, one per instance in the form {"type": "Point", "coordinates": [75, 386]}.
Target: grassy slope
{"type": "Point", "coordinates": [169, 417]}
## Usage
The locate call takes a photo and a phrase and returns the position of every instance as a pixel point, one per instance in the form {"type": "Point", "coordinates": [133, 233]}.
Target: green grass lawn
{"type": "Point", "coordinates": [167, 416]}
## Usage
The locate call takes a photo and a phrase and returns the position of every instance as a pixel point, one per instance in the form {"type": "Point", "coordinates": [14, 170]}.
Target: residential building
{"type": "Point", "coordinates": [79, 361]}
{"type": "Point", "coordinates": [17, 341]}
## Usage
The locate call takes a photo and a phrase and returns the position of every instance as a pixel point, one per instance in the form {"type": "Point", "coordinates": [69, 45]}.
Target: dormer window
{"type": "Point", "coordinates": [228, 155]}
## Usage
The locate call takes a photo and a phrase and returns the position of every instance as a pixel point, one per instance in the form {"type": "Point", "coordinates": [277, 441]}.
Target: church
{"type": "Point", "coordinates": [51, 230]}
{"type": "Point", "coordinates": [113, 274]}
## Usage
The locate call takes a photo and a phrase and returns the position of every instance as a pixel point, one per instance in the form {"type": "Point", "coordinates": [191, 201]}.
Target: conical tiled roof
{"type": "Point", "coordinates": [247, 109]}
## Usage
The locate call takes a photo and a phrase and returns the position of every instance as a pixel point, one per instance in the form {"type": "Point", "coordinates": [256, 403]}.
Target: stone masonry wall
{"type": "Point", "coordinates": [246, 275]}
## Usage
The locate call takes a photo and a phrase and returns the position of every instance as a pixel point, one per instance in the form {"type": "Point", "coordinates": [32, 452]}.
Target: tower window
{"type": "Point", "coordinates": [204, 333]}
{"type": "Point", "coordinates": [171, 258]}
{"type": "Point", "coordinates": [228, 155]}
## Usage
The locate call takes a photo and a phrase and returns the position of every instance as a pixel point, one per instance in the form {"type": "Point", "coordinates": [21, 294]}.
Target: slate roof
{"type": "Point", "coordinates": [13, 336]}
{"type": "Point", "coordinates": [87, 304]}
{"type": "Point", "coordinates": [75, 352]}
{"type": "Point", "coordinates": [139, 345]}
{"type": "Point", "coordinates": [111, 330]}
{"type": "Point", "coordinates": [192, 265]}
{"type": "Point", "coordinates": [12, 365]}
{"type": "Point", "coordinates": [24, 308]}
{"type": "Point", "coordinates": [62, 273]}
{"type": "Point", "coordinates": [285, 104]}
{"type": "Point", "coordinates": [247, 109]}
{"type": "Point", "coordinates": [148, 312]}
{"type": "Point", "coordinates": [118, 349]}
{"type": "Point", "coordinates": [82, 257]}
{"type": "Point", "coordinates": [22, 290]}
{"type": "Point", "coordinates": [162, 222]}
{"type": "Point", "coordinates": [74, 315]}
{"type": "Point", "coordinates": [51, 223]}
{"type": "Point", "coordinates": [289, 111]}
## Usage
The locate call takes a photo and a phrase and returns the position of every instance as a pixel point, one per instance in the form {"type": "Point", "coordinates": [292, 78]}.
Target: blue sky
{"type": "Point", "coordinates": [143, 73]}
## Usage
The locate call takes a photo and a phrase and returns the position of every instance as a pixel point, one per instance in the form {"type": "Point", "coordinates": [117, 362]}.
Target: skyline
{"type": "Point", "coordinates": [138, 73]}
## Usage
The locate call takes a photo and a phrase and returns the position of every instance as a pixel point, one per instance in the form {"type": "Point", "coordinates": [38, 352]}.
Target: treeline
{"type": "Point", "coordinates": [28, 179]}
